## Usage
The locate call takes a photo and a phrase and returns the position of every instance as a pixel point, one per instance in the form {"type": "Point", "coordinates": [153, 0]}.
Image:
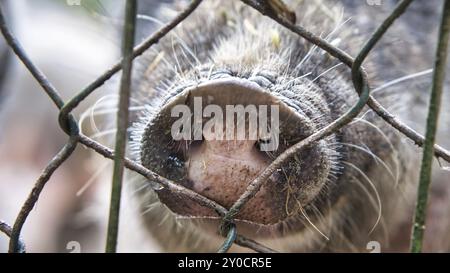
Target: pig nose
{"type": "Point", "coordinates": [202, 153]}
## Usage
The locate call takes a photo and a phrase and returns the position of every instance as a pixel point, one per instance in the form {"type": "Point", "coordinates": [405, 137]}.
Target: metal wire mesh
{"type": "Point", "coordinates": [279, 12]}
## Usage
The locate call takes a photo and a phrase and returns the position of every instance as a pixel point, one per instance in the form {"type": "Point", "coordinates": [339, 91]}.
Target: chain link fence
{"type": "Point", "coordinates": [279, 12]}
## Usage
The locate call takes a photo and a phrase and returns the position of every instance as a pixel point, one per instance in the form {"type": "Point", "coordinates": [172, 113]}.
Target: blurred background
{"type": "Point", "coordinates": [72, 45]}
{"type": "Point", "coordinates": [72, 42]}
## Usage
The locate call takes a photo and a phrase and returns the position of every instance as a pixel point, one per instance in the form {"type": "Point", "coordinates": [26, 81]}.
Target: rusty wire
{"type": "Point", "coordinates": [276, 10]}
{"type": "Point", "coordinates": [7, 230]}
{"type": "Point", "coordinates": [129, 31]}
{"type": "Point", "coordinates": [432, 124]}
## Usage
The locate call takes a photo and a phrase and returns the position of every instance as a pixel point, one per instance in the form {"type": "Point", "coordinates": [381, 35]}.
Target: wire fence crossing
{"type": "Point", "coordinates": [279, 12]}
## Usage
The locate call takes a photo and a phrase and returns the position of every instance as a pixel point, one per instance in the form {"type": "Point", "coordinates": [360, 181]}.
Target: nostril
{"type": "Point", "coordinates": [196, 143]}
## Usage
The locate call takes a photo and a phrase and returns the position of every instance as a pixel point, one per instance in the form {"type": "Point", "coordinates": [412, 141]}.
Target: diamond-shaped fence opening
{"type": "Point", "coordinates": [279, 12]}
